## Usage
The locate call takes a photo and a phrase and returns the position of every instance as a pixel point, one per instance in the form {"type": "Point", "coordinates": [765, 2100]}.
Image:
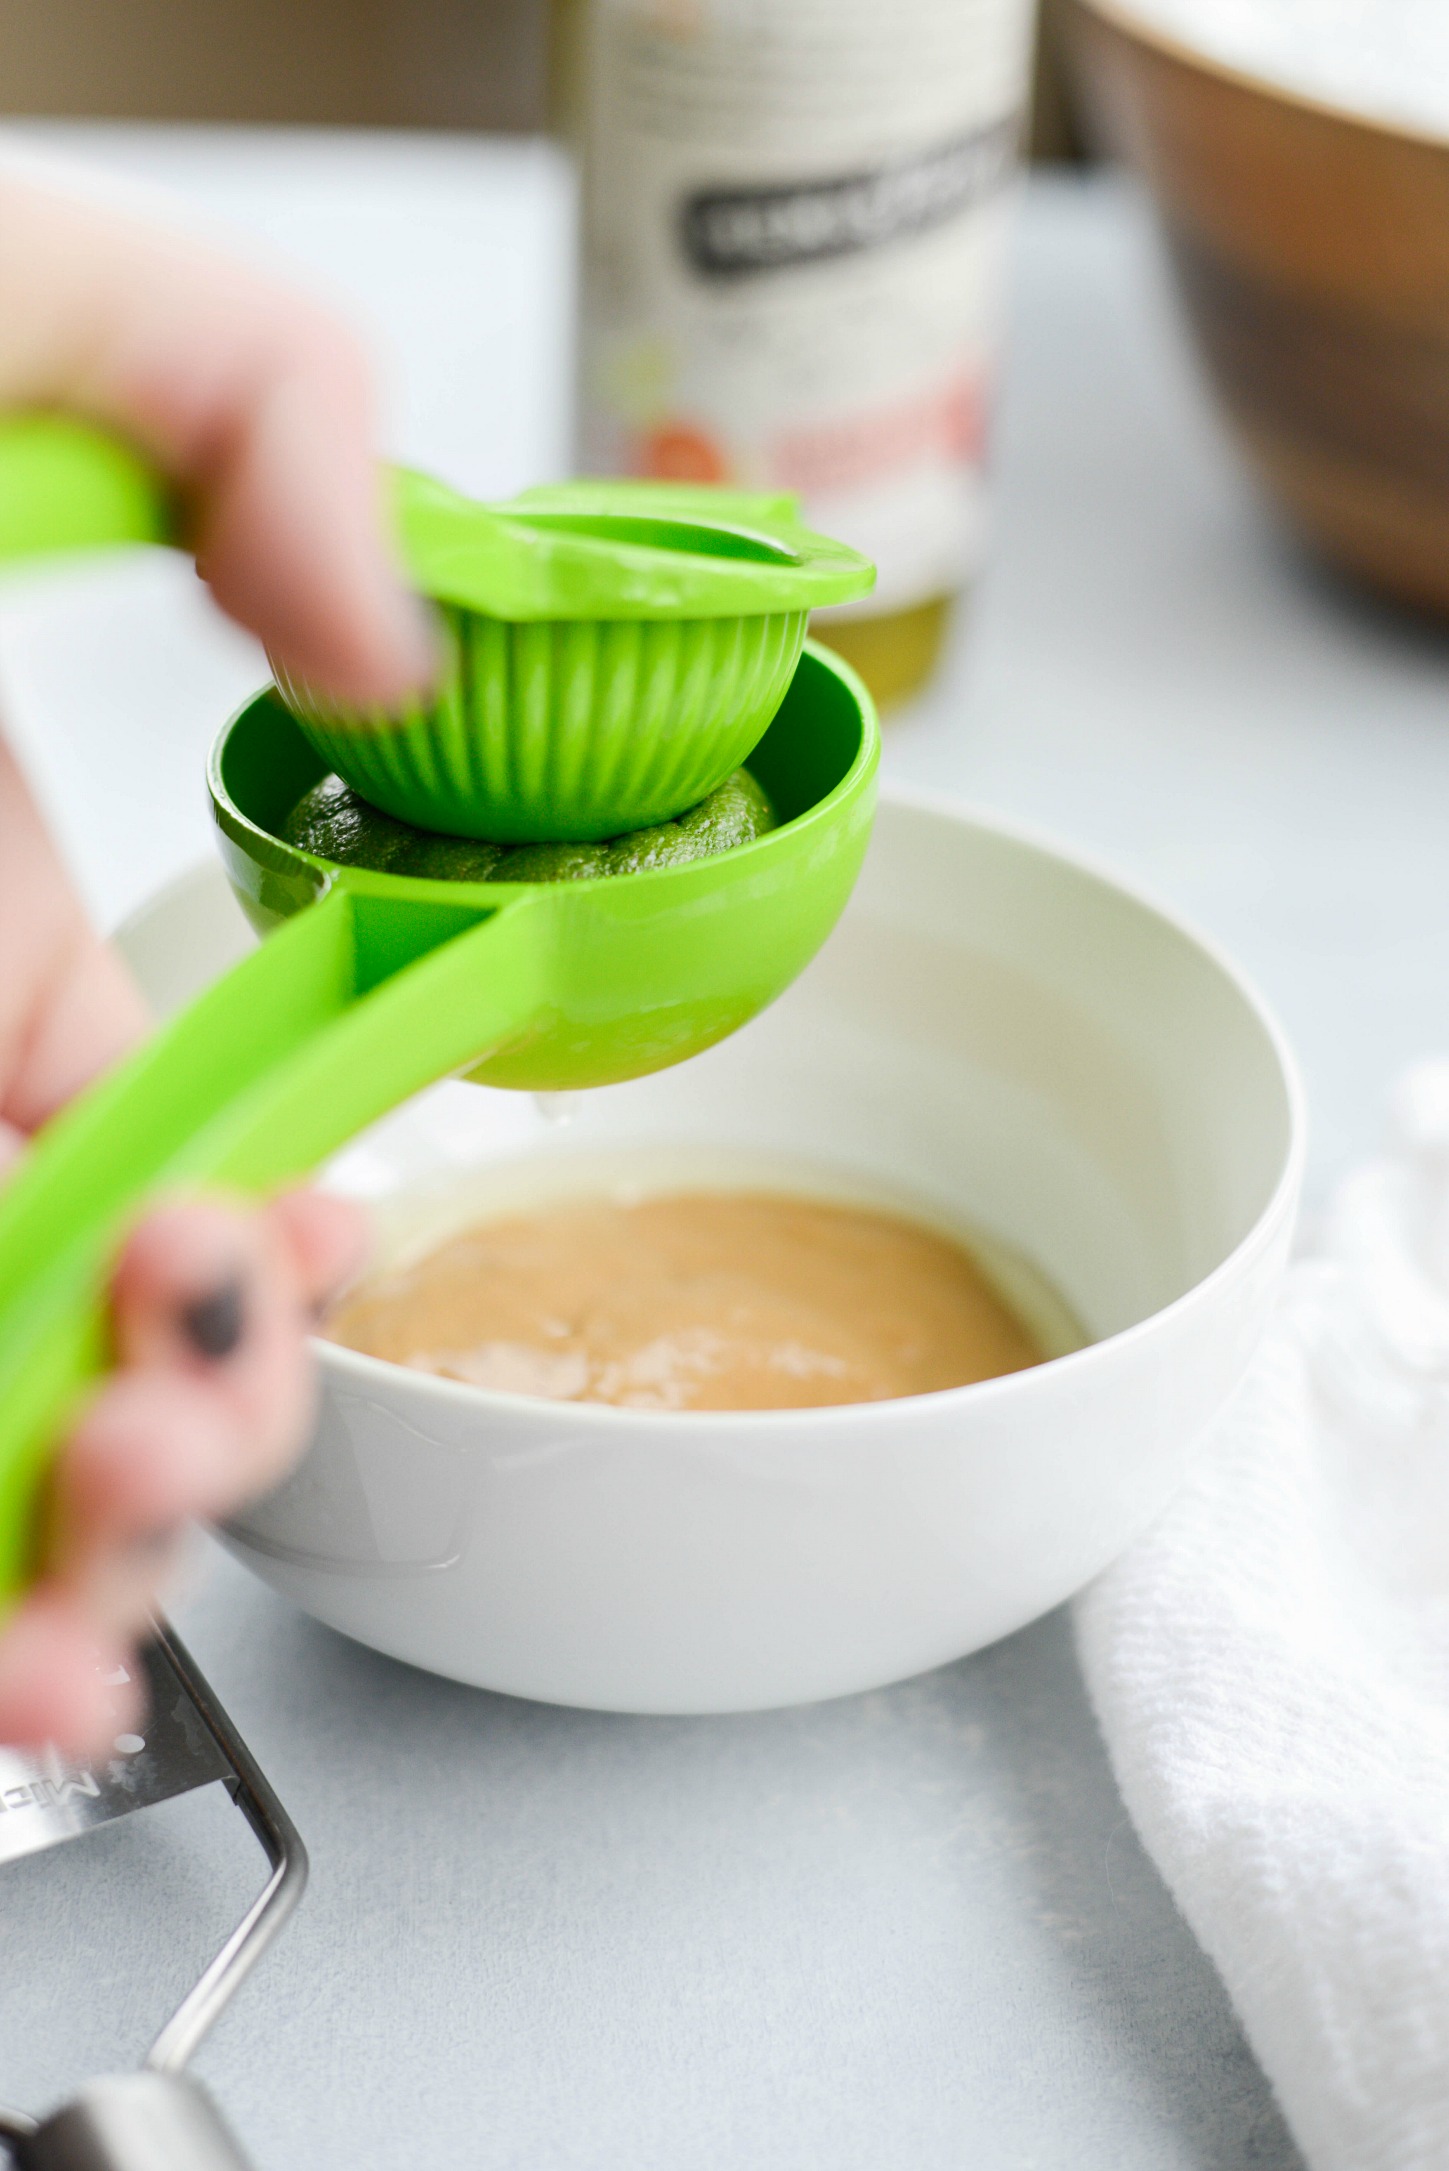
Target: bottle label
{"type": "Point", "coordinates": [795, 216]}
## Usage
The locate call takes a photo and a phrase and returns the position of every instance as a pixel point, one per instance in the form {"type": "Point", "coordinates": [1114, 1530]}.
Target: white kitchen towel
{"type": "Point", "coordinates": [1270, 1668]}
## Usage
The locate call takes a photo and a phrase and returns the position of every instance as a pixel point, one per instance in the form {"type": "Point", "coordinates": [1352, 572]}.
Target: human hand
{"type": "Point", "coordinates": [257, 405]}
{"type": "Point", "coordinates": [252, 399]}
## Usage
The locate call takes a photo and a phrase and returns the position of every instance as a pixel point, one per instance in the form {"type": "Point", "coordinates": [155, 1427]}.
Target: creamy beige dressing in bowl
{"type": "Point", "coordinates": [695, 1300]}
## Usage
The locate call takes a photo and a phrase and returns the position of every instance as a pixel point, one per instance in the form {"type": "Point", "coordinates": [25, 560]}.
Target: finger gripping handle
{"type": "Point", "coordinates": [338, 1017]}
{"type": "Point", "coordinates": [134, 2122]}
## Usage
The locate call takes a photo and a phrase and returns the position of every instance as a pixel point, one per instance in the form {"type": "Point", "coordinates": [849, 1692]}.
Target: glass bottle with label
{"type": "Point", "coordinates": [793, 231]}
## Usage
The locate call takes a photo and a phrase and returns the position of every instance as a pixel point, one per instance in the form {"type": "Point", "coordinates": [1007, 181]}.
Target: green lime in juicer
{"type": "Point", "coordinates": [370, 985]}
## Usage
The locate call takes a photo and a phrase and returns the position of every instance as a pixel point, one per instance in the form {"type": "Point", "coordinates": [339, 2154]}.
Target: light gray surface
{"type": "Point", "coordinates": [910, 1928]}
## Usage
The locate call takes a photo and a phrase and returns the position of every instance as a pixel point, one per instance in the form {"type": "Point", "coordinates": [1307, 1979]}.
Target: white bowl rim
{"type": "Point", "coordinates": [431, 1385]}
{"type": "Point", "coordinates": [1175, 43]}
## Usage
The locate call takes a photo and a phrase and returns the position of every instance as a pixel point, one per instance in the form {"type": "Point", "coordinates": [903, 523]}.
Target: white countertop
{"type": "Point", "coordinates": [909, 1928]}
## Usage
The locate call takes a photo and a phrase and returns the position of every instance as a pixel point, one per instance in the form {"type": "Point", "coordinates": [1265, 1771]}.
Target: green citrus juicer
{"type": "Point", "coordinates": [612, 651]}
{"type": "Point", "coordinates": [377, 985]}
{"type": "Point", "coordinates": [611, 659]}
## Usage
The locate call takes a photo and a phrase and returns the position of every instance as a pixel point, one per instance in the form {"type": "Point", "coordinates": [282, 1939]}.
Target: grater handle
{"type": "Point", "coordinates": [133, 2122]}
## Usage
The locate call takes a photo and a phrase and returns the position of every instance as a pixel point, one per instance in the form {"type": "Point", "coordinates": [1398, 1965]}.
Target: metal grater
{"type": "Point", "coordinates": [157, 2119]}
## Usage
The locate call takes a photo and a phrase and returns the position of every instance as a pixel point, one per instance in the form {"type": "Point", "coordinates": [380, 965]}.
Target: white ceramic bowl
{"type": "Point", "coordinates": [996, 1032]}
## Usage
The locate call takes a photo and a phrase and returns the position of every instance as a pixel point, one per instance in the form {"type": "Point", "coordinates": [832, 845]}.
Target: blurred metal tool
{"type": "Point", "coordinates": [157, 2119]}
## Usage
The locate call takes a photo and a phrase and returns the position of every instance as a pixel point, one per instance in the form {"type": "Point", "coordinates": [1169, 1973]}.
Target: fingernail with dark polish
{"type": "Point", "coordinates": [214, 1324]}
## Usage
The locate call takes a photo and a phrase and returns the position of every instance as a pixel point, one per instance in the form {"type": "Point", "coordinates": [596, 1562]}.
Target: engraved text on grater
{"type": "Point", "coordinates": [51, 1793]}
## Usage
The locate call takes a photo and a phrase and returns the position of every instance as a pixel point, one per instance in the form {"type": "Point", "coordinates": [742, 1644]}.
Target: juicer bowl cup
{"type": "Point", "coordinates": [997, 1037]}
{"type": "Point", "coordinates": [575, 730]}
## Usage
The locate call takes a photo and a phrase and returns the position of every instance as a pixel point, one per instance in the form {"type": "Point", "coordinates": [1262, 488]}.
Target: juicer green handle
{"type": "Point", "coordinates": [340, 1015]}
{"type": "Point", "coordinates": [601, 549]}
{"type": "Point", "coordinates": [67, 486]}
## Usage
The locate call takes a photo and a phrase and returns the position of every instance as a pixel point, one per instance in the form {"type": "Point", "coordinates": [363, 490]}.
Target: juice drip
{"type": "Point", "coordinates": [557, 1109]}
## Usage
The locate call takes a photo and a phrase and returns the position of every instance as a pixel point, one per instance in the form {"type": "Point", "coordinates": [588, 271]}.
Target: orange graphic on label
{"type": "Point", "coordinates": [947, 421]}
{"type": "Point", "coordinates": [680, 452]}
